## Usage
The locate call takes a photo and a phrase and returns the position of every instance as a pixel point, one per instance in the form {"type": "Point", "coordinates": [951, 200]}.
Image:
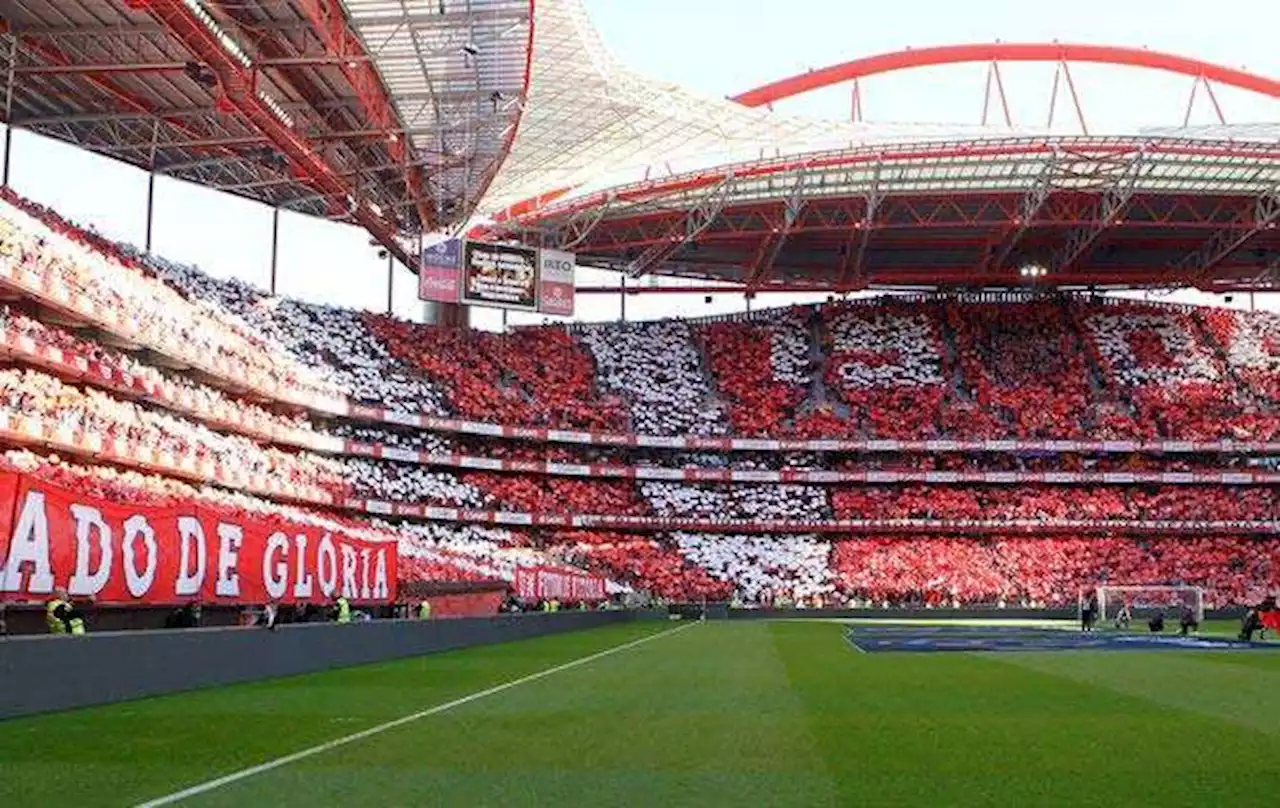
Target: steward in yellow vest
{"type": "Point", "coordinates": [61, 616]}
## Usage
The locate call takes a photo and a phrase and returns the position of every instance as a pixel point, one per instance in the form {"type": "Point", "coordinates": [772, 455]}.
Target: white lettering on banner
{"type": "Point", "coordinates": [381, 588]}
{"type": "Point", "coordinates": [30, 544]}
{"type": "Point", "coordinates": [89, 521]}
{"type": "Point", "coordinates": [302, 580]}
{"type": "Point", "coordinates": [136, 527]}
{"type": "Point", "coordinates": [229, 540]}
{"type": "Point", "coordinates": [348, 571]}
{"type": "Point", "coordinates": [364, 572]}
{"type": "Point", "coordinates": [327, 566]}
{"type": "Point", "coordinates": [190, 532]}
{"type": "Point", "coordinates": [275, 574]}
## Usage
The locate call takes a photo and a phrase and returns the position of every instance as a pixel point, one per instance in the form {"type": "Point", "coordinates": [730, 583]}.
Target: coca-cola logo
{"type": "Point", "coordinates": [439, 283]}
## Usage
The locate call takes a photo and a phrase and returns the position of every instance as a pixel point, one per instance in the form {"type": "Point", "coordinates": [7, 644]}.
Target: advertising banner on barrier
{"type": "Point", "coordinates": [547, 583]}
{"type": "Point", "coordinates": [440, 272]}
{"type": "Point", "coordinates": [122, 553]}
{"type": "Point", "coordinates": [499, 275]}
{"type": "Point", "coordinates": [555, 295]}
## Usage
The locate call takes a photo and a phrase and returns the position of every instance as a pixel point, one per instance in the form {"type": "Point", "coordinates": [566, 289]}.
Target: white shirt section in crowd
{"type": "Point", "coordinates": [892, 349]}
{"type": "Point", "coordinates": [795, 567]}
{"type": "Point", "coordinates": [658, 370]}
{"type": "Point", "coordinates": [721, 503]}
{"type": "Point", "coordinates": [404, 482]}
{"type": "Point", "coordinates": [789, 346]}
{"type": "Point", "coordinates": [1256, 343]}
{"type": "Point", "coordinates": [332, 341]}
{"type": "Point", "coordinates": [1152, 349]}
{"type": "Point", "coordinates": [417, 440]}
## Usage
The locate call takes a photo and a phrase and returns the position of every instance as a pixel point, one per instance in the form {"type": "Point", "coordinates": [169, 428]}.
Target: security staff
{"type": "Point", "coordinates": [343, 610]}
{"type": "Point", "coordinates": [424, 610]}
{"type": "Point", "coordinates": [61, 616]}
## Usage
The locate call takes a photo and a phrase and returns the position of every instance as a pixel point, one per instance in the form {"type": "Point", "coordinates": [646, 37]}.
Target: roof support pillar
{"type": "Point", "coordinates": [391, 277]}
{"type": "Point", "coordinates": [151, 186]}
{"type": "Point", "coordinates": [151, 210]}
{"type": "Point", "coordinates": [275, 247]}
{"type": "Point", "coordinates": [8, 108]}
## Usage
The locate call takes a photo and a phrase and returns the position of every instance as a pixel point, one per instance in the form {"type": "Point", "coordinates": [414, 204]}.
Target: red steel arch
{"type": "Point", "coordinates": [1006, 52]}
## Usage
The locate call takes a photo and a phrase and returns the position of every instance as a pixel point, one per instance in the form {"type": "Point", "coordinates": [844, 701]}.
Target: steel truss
{"type": "Point", "coordinates": [1110, 206]}
{"type": "Point", "coordinates": [686, 230]}
{"type": "Point", "coordinates": [855, 248]}
{"type": "Point", "coordinates": [1262, 216]}
{"type": "Point", "coordinates": [767, 254]}
{"type": "Point", "coordinates": [205, 41]}
{"type": "Point", "coordinates": [985, 213]}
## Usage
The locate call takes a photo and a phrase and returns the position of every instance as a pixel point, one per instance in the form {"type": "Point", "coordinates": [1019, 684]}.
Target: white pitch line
{"type": "Point", "coordinates": [234, 777]}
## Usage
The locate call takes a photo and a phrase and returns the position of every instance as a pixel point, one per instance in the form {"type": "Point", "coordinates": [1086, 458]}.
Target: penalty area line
{"type": "Point", "coordinates": [234, 777]}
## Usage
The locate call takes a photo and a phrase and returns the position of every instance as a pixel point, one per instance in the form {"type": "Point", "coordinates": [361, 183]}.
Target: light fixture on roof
{"type": "Point", "coordinates": [1033, 271]}
{"type": "Point", "coordinates": [470, 49]}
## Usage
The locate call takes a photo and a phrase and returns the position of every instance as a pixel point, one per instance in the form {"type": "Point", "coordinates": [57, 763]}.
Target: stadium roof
{"type": "Point", "coordinates": [409, 115]}
{"type": "Point", "coordinates": [393, 117]}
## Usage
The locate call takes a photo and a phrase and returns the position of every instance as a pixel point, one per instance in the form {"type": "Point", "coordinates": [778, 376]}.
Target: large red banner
{"type": "Point", "coordinates": [546, 583]}
{"type": "Point", "coordinates": [115, 552]}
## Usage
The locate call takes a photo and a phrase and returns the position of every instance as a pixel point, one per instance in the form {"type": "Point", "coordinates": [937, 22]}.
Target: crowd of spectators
{"type": "Point", "coordinates": [1049, 571]}
{"type": "Point", "coordinates": [1023, 362]}
{"type": "Point", "coordinates": [172, 390]}
{"type": "Point", "coordinates": [77, 413]}
{"type": "Point", "coordinates": [1055, 503]}
{"type": "Point", "coordinates": [763, 568]}
{"type": "Point", "coordinates": [716, 503]}
{"type": "Point", "coordinates": [34, 238]}
{"type": "Point", "coordinates": [1252, 345]}
{"type": "Point", "coordinates": [762, 369]}
{"type": "Point", "coordinates": [491, 552]}
{"type": "Point", "coordinates": [650, 564]}
{"type": "Point", "coordinates": [657, 369]}
{"type": "Point", "coordinates": [331, 342]}
{"type": "Point", "coordinates": [941, 367]}
{"type": "Point", "coordinates": [533, 377]}
{"type": "Point", "coordinates": [1178, 385]}
{"type": "Point", "coordinates": [944, 367]}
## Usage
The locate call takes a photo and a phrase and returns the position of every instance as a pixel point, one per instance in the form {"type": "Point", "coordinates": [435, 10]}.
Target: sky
{"type": "Point", "coordinates": [717, 48]}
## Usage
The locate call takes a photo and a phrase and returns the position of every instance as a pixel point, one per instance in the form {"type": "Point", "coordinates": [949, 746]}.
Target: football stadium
{"type": "Point", "coordinates": [531, 402]}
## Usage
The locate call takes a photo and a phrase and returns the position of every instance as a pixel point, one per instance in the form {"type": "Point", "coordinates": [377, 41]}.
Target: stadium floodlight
{"type": "Point", "coordinates": [1145, 602]}
{"type": "Point", "coordinates": [1033, 271]}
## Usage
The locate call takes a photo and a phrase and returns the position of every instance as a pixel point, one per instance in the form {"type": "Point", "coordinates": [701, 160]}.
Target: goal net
{"type": "Point", "coordinates": [1144, 602]}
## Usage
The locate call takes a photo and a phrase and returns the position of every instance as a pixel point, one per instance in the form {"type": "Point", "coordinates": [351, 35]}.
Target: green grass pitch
{"type": "Point", "coordinates": [739, 714]}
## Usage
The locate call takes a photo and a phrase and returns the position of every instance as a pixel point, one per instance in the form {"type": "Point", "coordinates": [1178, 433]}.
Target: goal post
{"type": "Point", "coordinates": [1145, 602]}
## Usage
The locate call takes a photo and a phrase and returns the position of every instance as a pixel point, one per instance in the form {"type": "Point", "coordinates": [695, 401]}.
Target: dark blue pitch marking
{"type": "Point", "coordinates": [963, 638]}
